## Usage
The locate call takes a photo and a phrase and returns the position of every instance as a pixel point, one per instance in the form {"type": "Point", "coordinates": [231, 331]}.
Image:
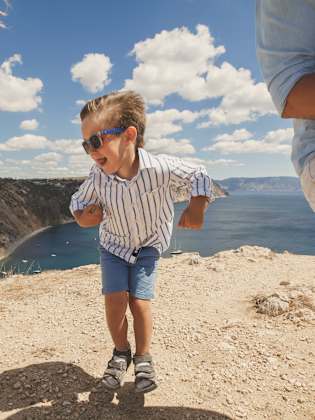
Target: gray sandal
{"type": "Point", "coordinates": [117, 367]}
{"type": "Point", "coordinates": [145, 380]}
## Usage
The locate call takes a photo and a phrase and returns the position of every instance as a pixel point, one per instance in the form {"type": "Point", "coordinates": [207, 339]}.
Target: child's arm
{"type": "Point", "coordinates": [85, 206]}
{"type": "Point", "coordinates": [193, 216]}
{"type": "Point", "coordinates": [182, 173]}
{"type": "Point", "coordinates": [92, 215]}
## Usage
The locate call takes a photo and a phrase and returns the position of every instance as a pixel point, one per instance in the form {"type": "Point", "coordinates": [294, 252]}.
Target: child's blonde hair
{"type": "Point", "coordinates": [124, 109]}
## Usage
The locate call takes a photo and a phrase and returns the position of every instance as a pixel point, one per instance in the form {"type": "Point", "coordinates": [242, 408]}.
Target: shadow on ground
{"type": "Point", "coordinates": [56, 390]}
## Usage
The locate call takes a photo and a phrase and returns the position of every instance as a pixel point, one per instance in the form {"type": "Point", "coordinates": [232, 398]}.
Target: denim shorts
{"type": "Point", "coordinates": [138, 279]}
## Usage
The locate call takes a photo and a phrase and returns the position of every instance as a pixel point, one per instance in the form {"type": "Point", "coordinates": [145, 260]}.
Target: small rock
{"type": "Point", "coordinates": [194, 260]}
{"type": "Point", "coordinates": [239, 413]}
{"type": "Point", "coordinates": [284, 283]}
{"type": "Point", "coordinates": [17, 385]}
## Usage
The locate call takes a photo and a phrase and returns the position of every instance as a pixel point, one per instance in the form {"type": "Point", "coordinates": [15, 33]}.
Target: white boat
{"type": "Point", "coordinates": [175, 250]}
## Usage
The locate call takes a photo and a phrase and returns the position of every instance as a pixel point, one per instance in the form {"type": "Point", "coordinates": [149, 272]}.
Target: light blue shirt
{"type": "Point", "coordinates": [285, 33]}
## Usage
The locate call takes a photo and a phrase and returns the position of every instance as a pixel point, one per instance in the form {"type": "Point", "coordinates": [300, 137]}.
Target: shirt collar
{"type": "Point", "coordinates": [146, 161]}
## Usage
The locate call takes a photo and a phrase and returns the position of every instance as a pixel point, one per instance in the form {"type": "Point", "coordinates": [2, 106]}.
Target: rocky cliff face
{"type": "Point", "coordinates": [29, 205]}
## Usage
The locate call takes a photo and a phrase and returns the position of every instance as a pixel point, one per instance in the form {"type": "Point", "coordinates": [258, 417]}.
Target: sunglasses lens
{"type": "Point", "coordinates": [86, 147]}
{"type": "Point", "coordinates": [93, 143]}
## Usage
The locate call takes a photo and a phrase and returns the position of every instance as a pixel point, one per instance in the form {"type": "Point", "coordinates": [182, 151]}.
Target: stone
{"type": "Point", "coordinates": [272, 305]}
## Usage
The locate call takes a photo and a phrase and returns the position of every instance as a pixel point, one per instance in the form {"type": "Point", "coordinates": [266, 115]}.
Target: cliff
{"type": "Point", "coordinates": [30, 205]}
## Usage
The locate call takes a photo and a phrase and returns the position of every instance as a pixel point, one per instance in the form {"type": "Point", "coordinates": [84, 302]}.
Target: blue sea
{"type": "Point", "coordinates": [280, 222]}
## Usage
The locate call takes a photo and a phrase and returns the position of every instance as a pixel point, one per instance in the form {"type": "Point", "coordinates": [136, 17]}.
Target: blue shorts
{"type": "Point", "coordinates": [138, 279]}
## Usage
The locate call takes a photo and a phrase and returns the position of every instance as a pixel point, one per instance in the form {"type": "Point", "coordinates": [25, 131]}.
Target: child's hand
{"type": "Point", "coordinates": [92, 215]}
{"type": "Point", "coordinates": [193, 216]}
{"type": "Point", "coordinates": [190, 219]}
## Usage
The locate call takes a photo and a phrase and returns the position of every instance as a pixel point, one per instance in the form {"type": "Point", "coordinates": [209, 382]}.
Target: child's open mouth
{"type": "Point", "coordinates": [102, 161]}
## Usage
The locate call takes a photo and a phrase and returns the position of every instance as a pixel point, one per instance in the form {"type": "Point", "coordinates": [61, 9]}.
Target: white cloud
{"type": "Point", "coordinates": [68, 146]}
{"type": "Point", "coordinates": [4, 14]}
{"type": "Point", "coordinates": [244, 102]}
{"type": "Point", "coordinates": [28, 141]}
{"type": "Point", "coordinates": [17, 94]}
{"type": "Point", "coordinates": [224, 162]}
{"type": "Point", "coordinates": [274, 142]}
{"type": "Point", "coordinates": [92, 72]}
{"type": "Point", "coordinates": [47, 165]}
{"type": "Point", "coordinates": [80, 102]}
{"type": "Point", "coordinates": [171, 146]}
{"type": "Point", "coordinates": [76, 120]}
{"type": "Point", "coordinates": [48, 157]}
{"type": "Point", "coordinates": [181, 62]}
{"type": "Point", "coordinates": [29, 124]}
{"type": "Point", "coordinates": [173, 62]}
{"type": "Point", "coordinates": [80, 163]}
{"type": "Point", "coordinates": [237, 135]}
{"type": "Point", "coordinates": [35, 142]}
{"type": "Point", "coordinates": [163, 123]}
{"type": "Point", "coordinates": [216, 162]}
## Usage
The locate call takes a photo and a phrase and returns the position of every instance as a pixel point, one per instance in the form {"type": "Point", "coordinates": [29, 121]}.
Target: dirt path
{"type": "Point", "coordinates": [216, 358]}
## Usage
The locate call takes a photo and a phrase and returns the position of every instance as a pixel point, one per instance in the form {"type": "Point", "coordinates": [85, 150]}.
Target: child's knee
{"type": "Point", "coordinates": [138, 305]}
{"type": "Point", "coordinates": [116, 299]}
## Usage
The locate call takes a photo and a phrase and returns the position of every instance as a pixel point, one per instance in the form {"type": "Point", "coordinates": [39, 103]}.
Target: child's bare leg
{"type": "Point", "coordinates": [115, 309]}
{"type": "Point", "coordinates": [142, 324]}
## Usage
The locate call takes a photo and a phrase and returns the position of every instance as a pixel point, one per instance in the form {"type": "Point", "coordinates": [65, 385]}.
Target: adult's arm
{"type": "Point", "coordinates": [300, 102]}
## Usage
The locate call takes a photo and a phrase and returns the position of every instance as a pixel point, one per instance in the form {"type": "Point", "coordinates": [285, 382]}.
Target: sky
{"type": "Point", "coordinates": [193, 61]}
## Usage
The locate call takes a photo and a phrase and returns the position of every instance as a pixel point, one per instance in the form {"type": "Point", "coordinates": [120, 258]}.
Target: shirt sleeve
{"type": "Point", "coordinates": [285, 33]}
{"type": "Point", "coordinates": [85, 195]}
{"type": "Point", "coordinates": [194, 177]}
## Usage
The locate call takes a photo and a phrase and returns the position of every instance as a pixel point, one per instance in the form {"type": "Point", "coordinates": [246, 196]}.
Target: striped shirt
{"type": "Point", "coordinates": [140, 212]}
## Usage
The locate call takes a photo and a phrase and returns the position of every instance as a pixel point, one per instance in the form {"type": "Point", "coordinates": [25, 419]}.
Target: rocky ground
{"type": "Point", "coordinates": [215, 355]}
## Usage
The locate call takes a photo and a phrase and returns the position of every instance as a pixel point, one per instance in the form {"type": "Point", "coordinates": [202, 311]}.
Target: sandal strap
{"type": "Point", "coordinates": [115, 373]}
{"type": "Point", "coordinates": [144, 368]}
{"type": "Point", "coordinates": [118, 368]}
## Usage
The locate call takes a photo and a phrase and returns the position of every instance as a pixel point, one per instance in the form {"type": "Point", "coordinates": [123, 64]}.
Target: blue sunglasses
{"type": "Point", "coordinates": [96, 141]}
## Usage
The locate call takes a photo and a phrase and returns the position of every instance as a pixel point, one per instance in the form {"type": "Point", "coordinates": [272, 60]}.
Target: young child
{"type": "Point", "coordinates": [130, 193]}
